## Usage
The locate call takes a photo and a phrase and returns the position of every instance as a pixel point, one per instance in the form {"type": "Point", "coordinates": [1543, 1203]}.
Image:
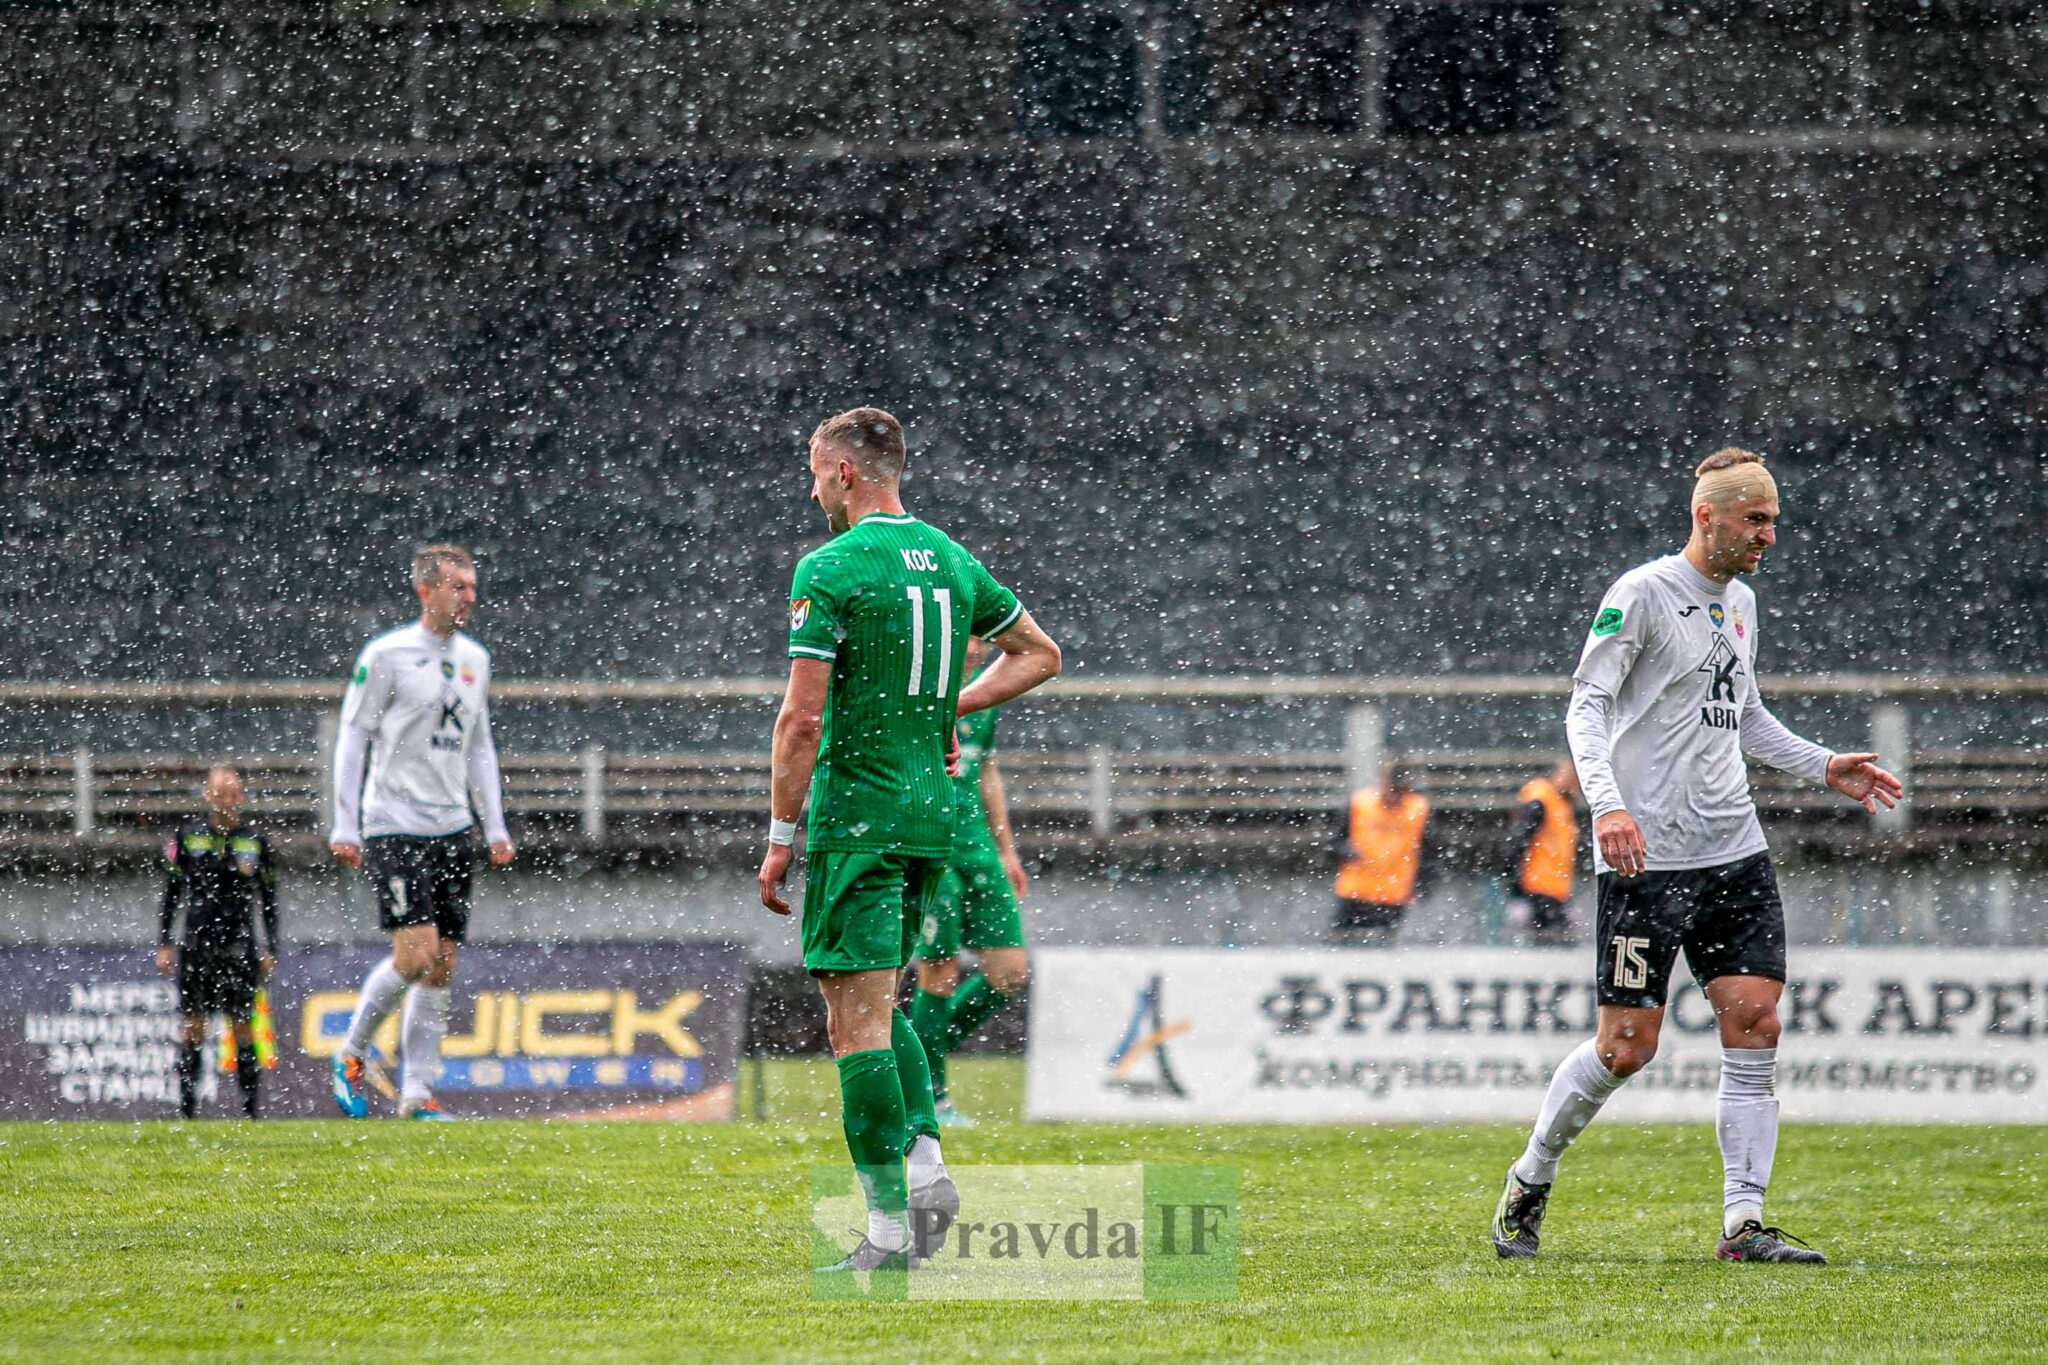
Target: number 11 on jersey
{"type": "Point", "coordinates": [943, 599]}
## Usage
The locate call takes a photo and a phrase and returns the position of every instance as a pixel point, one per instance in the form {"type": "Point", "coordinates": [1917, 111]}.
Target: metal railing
{"type": "Point", "coordinates": [590, 793]}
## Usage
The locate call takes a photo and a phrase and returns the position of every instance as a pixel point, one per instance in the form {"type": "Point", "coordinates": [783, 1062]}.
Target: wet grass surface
{"type": "Point", "coordinates": [505, 1240]}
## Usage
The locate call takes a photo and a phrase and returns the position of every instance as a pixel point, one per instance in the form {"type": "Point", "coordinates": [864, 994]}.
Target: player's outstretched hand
{"type": "Point", "coordinates": [1621, 843]}
{"type": "Point", "coordinates": [348, 855]}
{"type": "Point", "coordinates": [502, 853]}
{"type": "Point", "coordinates": [774, 868]}
{"type": "Point", "coordinates": [1858, 777]}
{"type": "Point", "coordinates": [166, 959]}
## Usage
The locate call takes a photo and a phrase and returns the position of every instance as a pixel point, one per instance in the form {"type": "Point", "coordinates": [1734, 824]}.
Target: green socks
{"type": "Point", "coordinates": [972, 1007]}
{"type": "Point", "coordinates": [915, 1074]}
{"type": "Point", "coordinates": [939, 1023]}
{"type": "Point", "coordinates": [871, 1110]}
{"type": "Point", "coordinates": [928, 1015]}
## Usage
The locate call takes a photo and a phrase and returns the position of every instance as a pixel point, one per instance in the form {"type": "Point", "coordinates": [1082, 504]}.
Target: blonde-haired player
{"type": "Point", "coordinates": [1664, 706]}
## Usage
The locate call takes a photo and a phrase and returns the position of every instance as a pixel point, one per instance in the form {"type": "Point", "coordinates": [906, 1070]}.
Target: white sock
{"type": "Point", "coordinates": [421, 1029]}
{"type": "Point", "coordinates": [923, 1164]}
{"type": "Point", "coordinates": [381, 989]}
{"type": "Point", "coordinates": [1746, 1122]}
{"type": "Point", "coordinates": [889, 1231]}
{"type": "Point", "coordinates": [1579, 1087]}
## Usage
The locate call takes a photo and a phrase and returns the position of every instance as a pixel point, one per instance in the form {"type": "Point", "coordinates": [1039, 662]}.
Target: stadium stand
{"type": "Point", "coordinates": [1225, 386]}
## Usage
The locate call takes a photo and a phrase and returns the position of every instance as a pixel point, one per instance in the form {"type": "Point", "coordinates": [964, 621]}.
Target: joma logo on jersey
{"type": "Point", "coordinates": [920, 561]}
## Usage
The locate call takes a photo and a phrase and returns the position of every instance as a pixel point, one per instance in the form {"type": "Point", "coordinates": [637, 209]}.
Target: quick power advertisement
{"type": "Point", "coordinates": [600, 1031]}
{"type": "Point", "coordinates": [1906, 1035]}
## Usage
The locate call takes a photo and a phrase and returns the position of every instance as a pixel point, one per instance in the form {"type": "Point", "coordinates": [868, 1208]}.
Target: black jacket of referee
{"type": "Point", "coordinates": [220, 872]}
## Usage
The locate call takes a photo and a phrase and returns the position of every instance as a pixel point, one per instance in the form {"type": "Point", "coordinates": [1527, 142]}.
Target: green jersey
{"type": "Point", "coordinates": [977, 735]}
{"type": "Point", "coordinates": [890, 602]}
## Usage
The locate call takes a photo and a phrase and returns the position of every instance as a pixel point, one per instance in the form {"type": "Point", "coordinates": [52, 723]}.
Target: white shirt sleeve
{"type": "Point", "coordinates": [1613, 641]}
{"type": "Point", "coordinates": [1765, 737]}
{"type": "Point", "coordinates": [1617, 635]}
{"type": "Point", "coordinates": [369, 692]}
{"type": "Point", "coordinates": [351, 749]}
{"type": "Point", "coordinates": [484, 780]}
{"type": "Point", "coordinates": [1589, 730]}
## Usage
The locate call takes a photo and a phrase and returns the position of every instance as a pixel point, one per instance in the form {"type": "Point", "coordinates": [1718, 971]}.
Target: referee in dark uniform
{"type": "Point", "coordinates": [219, 868]}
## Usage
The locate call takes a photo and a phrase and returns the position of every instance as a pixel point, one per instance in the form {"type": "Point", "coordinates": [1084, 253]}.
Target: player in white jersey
{"type": "Point", "coordinates": [418, 706]}
{"type": "Point", "coordinates": [1664, 706]}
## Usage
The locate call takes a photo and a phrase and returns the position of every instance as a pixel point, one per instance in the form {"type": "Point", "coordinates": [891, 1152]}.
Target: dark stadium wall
{"type": "Point", "coordinates": [1239, 394]}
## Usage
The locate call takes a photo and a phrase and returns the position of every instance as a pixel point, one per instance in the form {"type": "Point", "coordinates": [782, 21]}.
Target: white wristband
{"type": "Point", "coordinates": [781, 831]}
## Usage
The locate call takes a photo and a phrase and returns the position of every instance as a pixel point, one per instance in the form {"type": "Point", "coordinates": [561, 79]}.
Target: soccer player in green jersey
{"type": "Point", "coordinates": [879, 618]}
{"type": "Point", "coordinates": [976, 907]}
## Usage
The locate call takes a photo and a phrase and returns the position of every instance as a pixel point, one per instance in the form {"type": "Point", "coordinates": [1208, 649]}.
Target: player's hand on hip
{"type": "Point", "coordinates": [166, 959]}
{"type": "Point", "coordinates": [774, 867]}
{"type": "Point", "coordinates": [952, 753]}
{"type": "Point", "coordinates": [502, 853]}
{"type": "Point", "coordinates": [1621, 843]}
{"type": "Point", "coordinates": [1858, 777]}
{"type": "Point", "coordinates": [348, 855]}
{"type": "Point", "coordinates": [1013, 869]}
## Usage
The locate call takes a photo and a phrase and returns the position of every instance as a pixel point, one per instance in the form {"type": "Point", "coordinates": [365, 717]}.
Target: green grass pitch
{"type": "Point", "coordinates": [383, 1240]}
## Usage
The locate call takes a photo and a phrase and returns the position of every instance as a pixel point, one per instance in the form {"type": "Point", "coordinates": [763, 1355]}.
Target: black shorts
{"type": "Point", "coordinates": [1367, 914]}
{"type": "Point", "coordinates": [421, 880]}
{"type": "Point", "coordinates": [217, 983]}
{"type": "Point", "coordinates": [1728, 919]}
{"type": "Point", "coordinates": [1545, 912]}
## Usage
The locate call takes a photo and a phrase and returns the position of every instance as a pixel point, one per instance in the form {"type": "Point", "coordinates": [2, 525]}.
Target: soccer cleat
{"type": "Point", "coordinates": [427, 1109]}
{"type": "Point", "coordinates": [1518, 1218]}
{"type": "Point", "coordinates": [949, 1117]}
{"type": "Point", "coordinates": [867, 1257]}
{"type": "Point", "coordinates": [1755, 1242]}
{"type": "Point", "coordinates": [933, 1207]}
{"type": "Point", "coordinates": [349, 1094]}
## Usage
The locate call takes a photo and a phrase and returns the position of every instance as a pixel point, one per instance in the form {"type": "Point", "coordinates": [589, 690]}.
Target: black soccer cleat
{"type": "Point", "coordinates": [1755, 1242]}
{"type": "Point", "coordinates": [867, 1257]}
{"type": "Point", "coordinates": [1518, 1218]}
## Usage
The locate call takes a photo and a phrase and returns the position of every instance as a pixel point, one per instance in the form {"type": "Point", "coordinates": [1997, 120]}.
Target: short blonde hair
{"type": "Point", "coordinates": [428, 561]}
{"type": "Point", "coordinates": [1727, 457]}
{"type": "Point", "coordinates": [1729, 476]}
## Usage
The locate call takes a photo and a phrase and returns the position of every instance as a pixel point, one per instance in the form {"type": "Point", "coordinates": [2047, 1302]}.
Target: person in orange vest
{"type": "Point", "coordinates": [1385, 860]}
{"type": "Point", "coordinates": [1542, 851]}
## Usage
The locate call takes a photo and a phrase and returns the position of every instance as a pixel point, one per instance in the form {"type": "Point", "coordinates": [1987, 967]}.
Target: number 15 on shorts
{"type": "Point", "coordinates": [1631, 965]}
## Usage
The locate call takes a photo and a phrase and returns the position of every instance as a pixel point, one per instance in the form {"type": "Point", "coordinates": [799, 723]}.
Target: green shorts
{"type": "Point", "coordinates": [975, 908]}
{"type": "Point", "coordinates": [862, 910]}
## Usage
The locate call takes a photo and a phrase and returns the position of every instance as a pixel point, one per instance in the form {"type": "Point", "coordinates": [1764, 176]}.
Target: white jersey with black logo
{"type": "Point", "coordinates": [1664, 706]}
{"type": "Point", "coordinates": [422, 699]}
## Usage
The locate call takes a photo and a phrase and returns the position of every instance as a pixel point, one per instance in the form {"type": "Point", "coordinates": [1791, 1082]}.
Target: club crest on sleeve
{"type": "Point", "coordinates": [1608, 621]}
{"type": "Point", "coordinates": [799, 612]}
{"type": "Point", "coordinates": [362, 675]}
